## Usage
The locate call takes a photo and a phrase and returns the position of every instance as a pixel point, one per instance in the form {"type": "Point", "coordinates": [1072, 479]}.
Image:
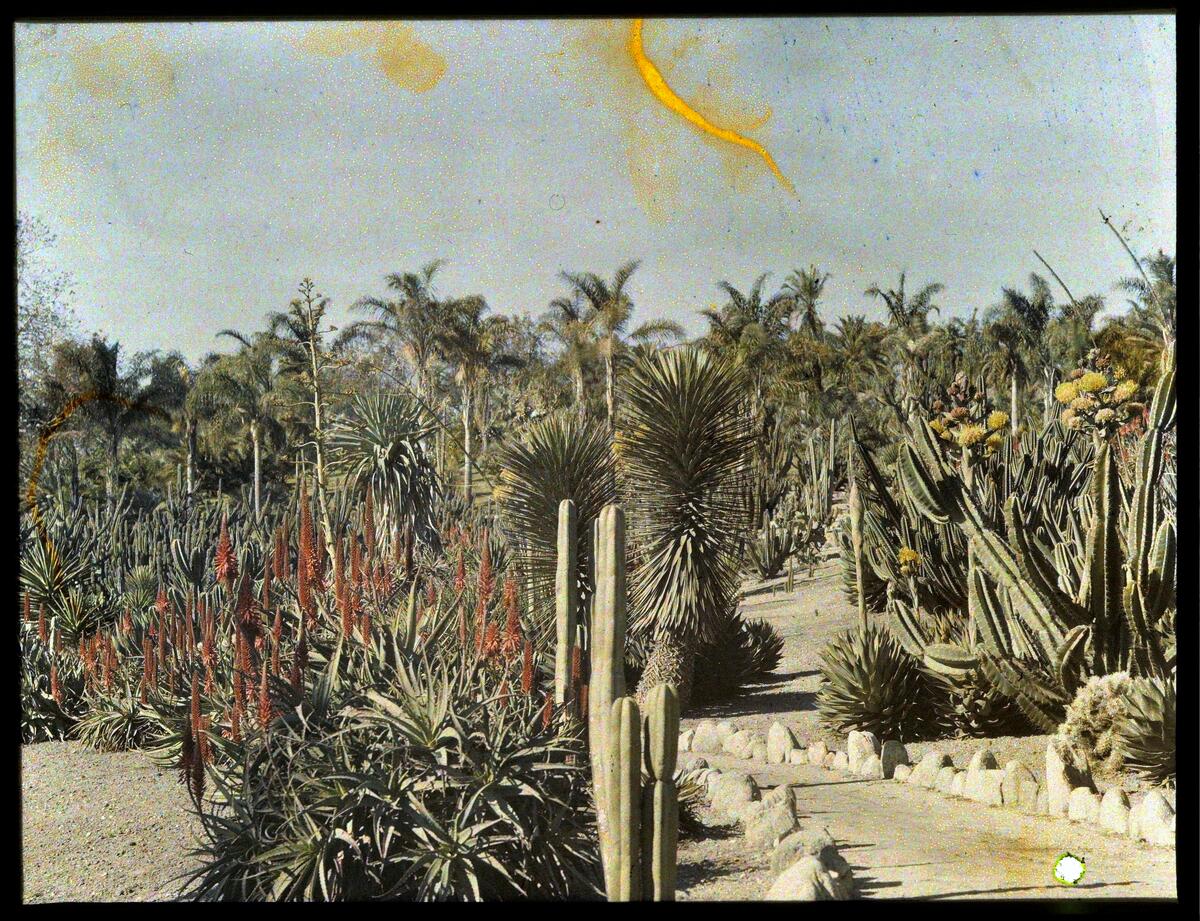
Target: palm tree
{"type": "Point", "coordinates": [684, 445]}
{"type": "Point", "coordinates": [908, 319]}
{"type": "Point", "coordinates": [860, 346]}
{"type": "Point", "coordinates": [1017, 328]}
{"type": "Point", "coordinates": [243, 395]}
{"type": "Point", "coordinates": [609, 313]}
{"type": "Point", "coordinates": [751, 332]}
{"type": "Point", "coordinates": [413, 320]}
{"type": "Point", "coordinates": [806, 286]}
{"type": "Point", "coordinates": [116, 397]}
{"type": "Point", "coordinates": [472, 344]}
{"type": "Point", "coordinates": [565, 322]}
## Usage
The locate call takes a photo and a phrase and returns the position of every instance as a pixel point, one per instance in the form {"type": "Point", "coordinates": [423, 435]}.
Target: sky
{"type": "Point", "coordinates": [194, 173]}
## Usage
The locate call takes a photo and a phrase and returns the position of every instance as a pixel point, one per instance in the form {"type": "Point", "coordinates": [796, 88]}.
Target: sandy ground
{"type": "Point", "coordinates": [100, 827]}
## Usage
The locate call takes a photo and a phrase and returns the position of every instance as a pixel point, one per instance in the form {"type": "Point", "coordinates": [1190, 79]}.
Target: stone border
{"type": "Point", "coordinates": [1065, 793]}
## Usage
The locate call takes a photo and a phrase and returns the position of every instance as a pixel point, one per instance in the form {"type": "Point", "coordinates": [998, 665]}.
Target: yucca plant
{"type": "Point", "coordinates": [565, 456]}
{"type": "Point", "coordinates": [868, 682]}
{"type": "Point", "coordinates": [379, 445]}
{"type": "Point", "coordinates": [682, 446]}
{"type": "Point", "coordinates": [771, 548]}
{"type": "Point", "coordinates": [1146, 733]}
{"type": "Point", "coordinates": [117, 723]}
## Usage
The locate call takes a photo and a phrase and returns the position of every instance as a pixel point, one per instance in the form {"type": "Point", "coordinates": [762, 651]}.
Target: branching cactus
{"type": "Point", "coordinates": [660, 800]}
{"type": "Point", "coordinates": [1039, 640]}
{"type": "Point", "coordinates": [566, 599]}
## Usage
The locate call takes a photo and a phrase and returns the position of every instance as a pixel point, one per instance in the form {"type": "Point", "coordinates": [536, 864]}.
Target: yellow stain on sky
{"type": "Point", "coordinates": [404, 59]}
{"type": "Point", "coordinates": [663, 93]}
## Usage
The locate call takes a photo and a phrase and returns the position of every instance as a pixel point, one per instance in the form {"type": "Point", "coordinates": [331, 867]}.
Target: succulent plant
{"type": "Point", "coordinates": [1146, 733]}
{"type": "Point", "coordinates": [868, 682]}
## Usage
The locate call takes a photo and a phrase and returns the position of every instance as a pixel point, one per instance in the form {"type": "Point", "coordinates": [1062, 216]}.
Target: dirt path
{"type": "Point", "coordinates": [902, 841]}
{"type": "Point", "coordinates": [100, 827]}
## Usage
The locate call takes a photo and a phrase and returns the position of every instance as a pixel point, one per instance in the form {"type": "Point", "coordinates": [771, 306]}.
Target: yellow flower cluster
{"type": "Point", "coordinates": [908, 555]}
{"type": "Point", "coordinates": [994, 441]}
{"type": "Point", "coordinates": [970, 435]}
{"type": "Point", "coordinates": [1091, 382]}
{"type": "Point", "coordinates": [1066, 392]}
{"type": "Point", "coordinates": [997, 420]}
{"type": "Point", "coordinates": [1124, 391]}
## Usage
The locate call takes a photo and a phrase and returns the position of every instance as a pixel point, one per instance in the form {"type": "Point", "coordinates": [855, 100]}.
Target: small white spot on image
{"type": "Point", "coordinates": [1069, 869]}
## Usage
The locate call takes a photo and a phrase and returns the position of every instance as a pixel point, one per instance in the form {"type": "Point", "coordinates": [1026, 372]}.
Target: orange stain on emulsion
{"type": "Point", "coordinates": [663, 93]}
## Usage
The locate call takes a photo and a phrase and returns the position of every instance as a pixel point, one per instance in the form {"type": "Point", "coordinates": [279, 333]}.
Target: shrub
{"type": "Point", "coordinates": [1145, 734]}
{"type": "Point", "coordinates": [1090, 727]}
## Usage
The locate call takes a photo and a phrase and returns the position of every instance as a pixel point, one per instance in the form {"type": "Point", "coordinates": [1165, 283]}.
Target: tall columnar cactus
{"type": "Point", "coordinates": [566, 599]}
{"type": "Point", "coordinates": [622, 844]}
{"type": "Point", "coordinates": [607, 681]}
{"type": "Point", "coordinates": [660, 800]}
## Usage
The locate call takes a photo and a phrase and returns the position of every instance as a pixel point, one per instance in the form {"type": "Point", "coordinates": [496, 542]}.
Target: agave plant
{"type": "Point", "coordinates": [565, 456]}
{"type": "Point", "coordinates": [868, 682]}
{"type": "Point", "coordinates": [682, 444]}
{"type": "Point", "coordinates": [1146, 734]}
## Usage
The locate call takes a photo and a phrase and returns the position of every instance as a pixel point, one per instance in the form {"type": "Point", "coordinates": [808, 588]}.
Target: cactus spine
{"type": "Point", "coordinates": [660, 801]}
{"type": "Point", "coordinates": [566, 599]}
{"type": "Point", "coordinates": [607, 681]}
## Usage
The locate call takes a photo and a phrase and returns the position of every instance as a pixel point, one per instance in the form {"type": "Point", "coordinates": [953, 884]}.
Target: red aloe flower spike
{"type": "Point", "coordinates": [27, 609]}
{"type": "Point", "coordinates": [226, 561]}
{"type": "Point", "coordinates": [55, 689]}
{"type": "Point", "coordinates": [161, 603]}
{"type": "Point", "coordinates": [491, 642]}
{"type": "Point", "coordinates": [583, 702]}
{"type": "Point", "coordinates": [43, 633]}
{"type": "Point", "coordinates": [576, 666]}
{"type": "Point", "coordinates": [430, 594]}
{"type": "Point", "coordinates": [480, 623]}
{"type": "Point", "coordinates": [527, 670]}
{"type": "Point", "coordinates": [364, 624]}
{"type": "Point", "coordinates": [235, 720]}
{"type": "Point", "coordinates": [487, 578]}
{"type": "Point", "coordinates": [547, 711]}
{"type": "Point", "coordinates": [460, 574]}
{"type": "Point", "coordinates": [462, 627]}
{"type": "Point", "coordinates": [504, 693]}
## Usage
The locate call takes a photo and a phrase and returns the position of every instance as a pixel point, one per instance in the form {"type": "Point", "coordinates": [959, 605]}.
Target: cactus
{"type": "Point", "coordinates": [624, 762]}
{"type": "Point", "coordinates": [1039, 638]}
{"type": "Point", "coordinates": [607, 681]}
{"type": "Point", "coordinates": [660, 799]}
{"type": "Point", "coordinates": [856, 542]}
{"type": "Point", "coordinates": [566, 599]}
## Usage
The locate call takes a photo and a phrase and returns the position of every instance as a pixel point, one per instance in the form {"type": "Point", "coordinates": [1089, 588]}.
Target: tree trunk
{"type": "Point", "coordinates": [466, 420]}
{"type": "Point", "coordinates": [110, 482]}
{"type": "Point", "coordinates": [672, 660]}
{"type": "Point", "coordinates": [191, 458]}
{"type": "Point", "coordinates": [1013, 405]}
{"type": "Point", "coordinates": [257, 471]}
{"type": "Point", "coordinates": [609, 386]}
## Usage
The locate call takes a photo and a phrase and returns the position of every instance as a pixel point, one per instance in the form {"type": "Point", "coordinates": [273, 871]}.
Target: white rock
{"type": "Point", "coordinates": [1150, 819]}
{"type": "Point", "coordinates": [858, 746]}
{"type": "Point", "coordinates": [892, 754]}
{"type": "Point", "coordinates": [1015, 774]}
{"type": "Point", "coordinates": [816, 752]}
{"type": "Point", "coordinates": [733, 789]}
{"type": "Point", "coordinates": [738, 744]}
{"type": "Point", "coordinates": [1083, 805]}
{"type": "Point", "coordinates": [830, 758]}
{"type": "Point", "coordinates": [944, 779]}
{"type": "Point", "coordinates": [782, 795]}
{"type": "Point", "coordinates": [925, 773]}
{"type": "Point", "coordinates": [871, 767]}
{"type": "Point", "coordinates": [725, 729]}
{"type": "Point", "coordinates": [797, 756]}
{"type": "Point", "coordinates": [770, 826]}
{"type": "Point", "coordinates": [706, 739]}
{"type": "Point", "coordinates": [1114, 811]}
{"type": "Point", "coordinates": [1029, 795]}
{"type": "Point", "coordinates": [781, 742]}
{"type": "Point", "coordinates": [1043, 802]}
{"type": "Point", "coordinates": [982, 760]}
{"type": "Point", "coordinates": [983, 786]}
{"type": "Point", "coordinates": [1061, 779]}
{"type": "Point", "coordinates": [901, 771]}
{"type": "Point", "coordinates": [957, 783]}
{"type": "Point", "coordinates": [757, 751]}
{"type": "Point", "coordinates": [685, 740]}
{"type": "Point", "coordinates": [841, 761]}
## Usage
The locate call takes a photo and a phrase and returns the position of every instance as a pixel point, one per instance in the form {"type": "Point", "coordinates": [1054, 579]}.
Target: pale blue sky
{"type": "Point", "coordinates": [950, 147]}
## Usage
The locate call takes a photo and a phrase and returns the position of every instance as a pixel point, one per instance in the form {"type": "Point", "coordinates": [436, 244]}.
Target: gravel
{"type": "Point", "coordinates": [101, 827]}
